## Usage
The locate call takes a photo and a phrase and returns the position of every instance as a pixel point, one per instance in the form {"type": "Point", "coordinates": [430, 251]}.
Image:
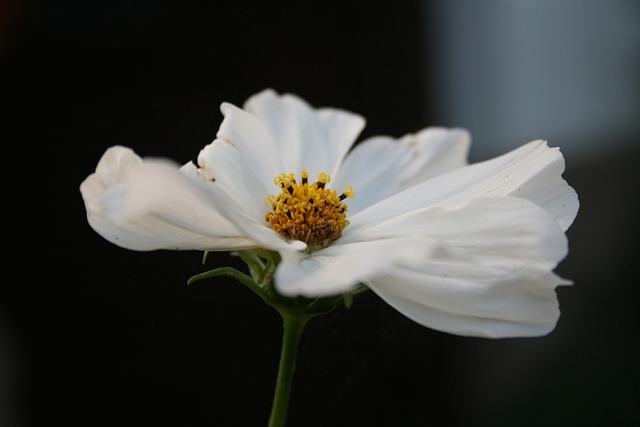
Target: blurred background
{"type": "Point", "coordinates": [91, 334]}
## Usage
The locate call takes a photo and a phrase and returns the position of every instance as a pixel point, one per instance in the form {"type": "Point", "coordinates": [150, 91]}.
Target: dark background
{"type": "Point", "coordinates": [91, 334]}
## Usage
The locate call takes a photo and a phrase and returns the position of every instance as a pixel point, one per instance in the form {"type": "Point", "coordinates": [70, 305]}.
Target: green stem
{"type": "Point", "coordinates": [293, 324]}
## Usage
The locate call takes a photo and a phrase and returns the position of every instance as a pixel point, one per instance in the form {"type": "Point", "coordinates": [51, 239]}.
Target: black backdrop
{"type": "Point", "coordinates": [92, 334]}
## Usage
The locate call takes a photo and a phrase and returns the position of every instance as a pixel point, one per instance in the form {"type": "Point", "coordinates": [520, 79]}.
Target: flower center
{"type": "Point", "coordinates": [311, 213]}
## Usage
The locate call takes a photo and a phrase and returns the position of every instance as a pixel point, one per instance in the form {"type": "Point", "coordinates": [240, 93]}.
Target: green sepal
{"type": "Point", "coordinates": [262, 265]}
{"type": "Point", "coordinates": [229, 272]}
{"type": "Point", "coordinates": [348, 300]}
{"type": "Point", "coordinates": [254, 262]}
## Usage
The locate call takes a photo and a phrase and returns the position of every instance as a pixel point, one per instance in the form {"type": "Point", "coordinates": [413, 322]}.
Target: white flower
{"type": "Point", "coordinates": [463, 249]}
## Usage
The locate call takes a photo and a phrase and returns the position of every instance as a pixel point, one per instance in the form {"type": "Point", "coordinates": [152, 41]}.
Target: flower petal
{"type": "Point", "coordinates": [315, 140]}
{"type": "Point", "coordinates": [491, 275]}
{"type": "Point", "coordinates": [340, 268]}
{"type": "Point", "coordinates": [221, 162]}
{"type": "Point", "coordinates": [520, 305]}
{"type": "Point", "coordinates": [147, 205]}
{"type": "Point", "coordinates": [499, 228]}
{"type": "Point", "coordinates": [258, 152]}
{"type": "Point", "coordinates": [531, 172]}
{"type": "Point", "coordinates": [382, 166]}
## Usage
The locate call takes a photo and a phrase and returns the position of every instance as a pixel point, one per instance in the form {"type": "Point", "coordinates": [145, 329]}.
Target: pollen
{"type": "Point", "coordinates": [312, 213]}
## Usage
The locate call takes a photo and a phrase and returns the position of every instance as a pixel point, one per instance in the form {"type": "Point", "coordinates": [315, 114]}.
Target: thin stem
{"type": "Point", "coordinates": [293, 324]}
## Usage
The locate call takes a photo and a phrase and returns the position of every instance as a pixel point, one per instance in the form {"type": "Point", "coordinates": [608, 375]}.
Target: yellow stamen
{"type": "Point", "coordinates": [311, 213]}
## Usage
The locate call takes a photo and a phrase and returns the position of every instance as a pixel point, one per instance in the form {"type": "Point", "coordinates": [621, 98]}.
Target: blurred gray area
{"type": "Point", "coordinates": [515, 71]}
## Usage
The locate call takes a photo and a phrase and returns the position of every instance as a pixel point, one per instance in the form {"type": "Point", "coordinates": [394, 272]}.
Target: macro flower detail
{"type": "Point", "coordinates": [311, 213]}
{"type": "Point", "coordinates": [464, 249]}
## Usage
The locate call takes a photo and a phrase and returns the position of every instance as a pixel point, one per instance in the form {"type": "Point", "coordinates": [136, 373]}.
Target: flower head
{"type": "Point", "coordinates": [465, 249]}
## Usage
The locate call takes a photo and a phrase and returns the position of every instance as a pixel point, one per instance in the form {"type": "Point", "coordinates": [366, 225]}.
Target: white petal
{"type": "Point", "coordinates": [339, 268]}
{"type": "Point", "coordinates": [115, 163]}
{"type": "Point", "coordinates": [382, 166]}
{"type": "Point", "coordinates": [258, 152]}
{"type": "Point", "coordinates": [523, 304]}
{"type": "Point", "coordinates": [491, 275]}
{"type": "Point", "coordinates": [499, 228]}
{"type": "Point", "coordinates": [221, 162]}
{"type": "Point", "coordinates": [258, 230]}
{"type": "Point", "coordinates": [150, 205]}
{"type": "Point", "coordinates": [340, 130]}
{"type": "Point", "coordinates": [315, 140]}
{"type": "Point", "coordinates": [532, 172]}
